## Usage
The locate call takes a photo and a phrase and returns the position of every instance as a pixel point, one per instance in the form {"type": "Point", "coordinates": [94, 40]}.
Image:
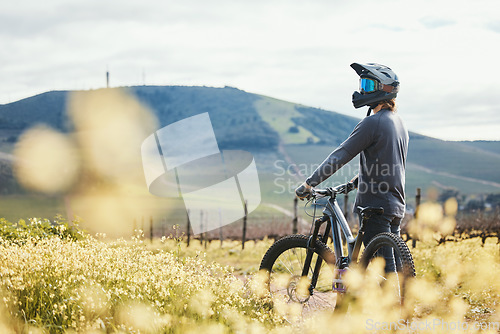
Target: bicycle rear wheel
{"type": "Point", "coordinates": [284, 261]}
{"type": "Point", "coordinates": [403, 260]}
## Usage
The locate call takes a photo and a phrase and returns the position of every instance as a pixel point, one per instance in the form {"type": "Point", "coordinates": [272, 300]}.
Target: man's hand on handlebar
{"type": "Point", "coordinates": [345, 188]}
{"type": "Point", "coordinates": [303, 191]}
{"type": "Point", "coordinates": [354, 181]}
{"type": "Point", "coordinates": [349, 186]}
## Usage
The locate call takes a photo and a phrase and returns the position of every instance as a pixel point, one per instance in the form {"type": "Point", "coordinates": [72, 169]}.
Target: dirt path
{"type": "Point", "coordinates": [298, 173]}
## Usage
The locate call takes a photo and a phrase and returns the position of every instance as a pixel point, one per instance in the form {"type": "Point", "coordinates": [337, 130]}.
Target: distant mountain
{"type": "Point", "coordinates": [240, 119]}
{"type": "Point", "coordinates": [48, 108]}
{"type": "Point", "coordinates": [274, 129]}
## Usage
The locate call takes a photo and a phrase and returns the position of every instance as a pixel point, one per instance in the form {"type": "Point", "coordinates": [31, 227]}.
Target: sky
{"type": "Point", "coordinates": [444, 52]}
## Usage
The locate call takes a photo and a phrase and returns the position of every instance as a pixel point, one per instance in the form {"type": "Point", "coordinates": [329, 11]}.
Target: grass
{"type": "Point", "coordinates": [228, 253]}
{"type": "Point", "coordinates": [278, 114]}
{"type": "Point", "coordinates": [15, 207]}
{"type": "Point", "coordinates": [54, 284]}
{"type": "Point", "coordinates": [458, 270]}
{"type": "Point", "coordinates": [120, 287]}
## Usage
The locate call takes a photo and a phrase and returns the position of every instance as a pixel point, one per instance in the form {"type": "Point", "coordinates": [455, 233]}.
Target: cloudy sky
{"type": "Point", "coordinates": [443, 51]}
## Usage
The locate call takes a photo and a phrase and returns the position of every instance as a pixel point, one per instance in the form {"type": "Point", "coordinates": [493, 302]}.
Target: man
{"type": "Point", "coordinates": [381, 140]}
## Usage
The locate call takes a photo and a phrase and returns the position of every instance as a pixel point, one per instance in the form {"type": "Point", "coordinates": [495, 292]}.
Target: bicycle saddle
{"type": "Point", "coordinates": [370, 211]}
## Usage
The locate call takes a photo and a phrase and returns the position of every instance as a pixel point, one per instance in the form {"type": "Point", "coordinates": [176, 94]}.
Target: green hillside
{"type": "Point", "coordinates": [48, 108]}
{"type": "Point", "coordinates": [282, 116]}
{"type": "Point", "coordinates": [259, 123]}
{"type": "Point", "coordinates": [484, 145]}
{"type": "Point", "coordinates": [235, 120]}
{"type": "Point", "coordinates": [288, 140]}
{"type": "Point", "coordinates": [419, 173]}
{"type": "Point", "coordinates": [454, 158]}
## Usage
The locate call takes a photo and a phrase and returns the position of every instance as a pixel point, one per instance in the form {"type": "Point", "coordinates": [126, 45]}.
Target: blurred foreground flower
{"type": "Point", "coordinates": [98, 166]}
{"type": "Point", "coordinates": [46, 160]}
{"type": "Point", "coordinates": [433, 221]}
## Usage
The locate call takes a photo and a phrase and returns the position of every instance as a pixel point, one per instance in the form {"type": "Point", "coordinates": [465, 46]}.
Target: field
{"type": "Point", "coordinates": [14, 207]}
{"type": "Point", "coordinates": [55, 278]}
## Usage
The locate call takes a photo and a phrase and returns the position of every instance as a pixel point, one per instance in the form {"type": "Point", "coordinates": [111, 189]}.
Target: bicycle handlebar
{"type": "Point", "coordinates": [330, 191]}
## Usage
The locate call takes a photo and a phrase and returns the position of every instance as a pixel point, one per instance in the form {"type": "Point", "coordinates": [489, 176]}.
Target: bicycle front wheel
{"type": "Point", "coordinates": [284, 261]}
{"type": "Point", "coordinates": [396, 257]}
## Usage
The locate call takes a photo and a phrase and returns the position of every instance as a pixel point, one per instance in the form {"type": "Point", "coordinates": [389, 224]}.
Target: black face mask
{"type": "Point", "coordinates": [358, 99]}
{"type": "Point", "coordinates": [371, 99]}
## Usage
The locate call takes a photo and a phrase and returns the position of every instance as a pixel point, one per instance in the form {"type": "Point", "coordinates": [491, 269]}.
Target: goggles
{"type": "Point", "coordinates": [367, 85]}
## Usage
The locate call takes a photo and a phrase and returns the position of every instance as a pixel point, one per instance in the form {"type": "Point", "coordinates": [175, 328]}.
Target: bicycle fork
{"type": "Point", "coordinates": [342, 261]}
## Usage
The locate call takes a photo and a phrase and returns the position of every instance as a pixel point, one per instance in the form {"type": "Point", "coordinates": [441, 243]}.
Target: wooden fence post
{"type": "Point", "coordinates": [188, 229]}
{"type": "Point", "coordinates": [201, 228]}
{"type": "Point", "coordinates": [417, 204]}
{"type": "Point", "coordinates": [151, 229]}
{"type": "Point", "coordinates": [243, 238]}
{"type": "Point", "coordinates": [205, 238]}
{"type": "Point", "coordinates": [295, 216]}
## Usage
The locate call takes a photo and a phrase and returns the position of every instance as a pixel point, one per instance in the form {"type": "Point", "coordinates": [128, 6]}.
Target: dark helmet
{"type": "Point", "coordinates": [383, 84]}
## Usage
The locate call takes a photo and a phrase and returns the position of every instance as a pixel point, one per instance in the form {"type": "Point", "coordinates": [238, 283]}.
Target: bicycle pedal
{"type": "Point", "coordinates": [339, 287]}
{"type": "Point", "coordinates": [338, 283]}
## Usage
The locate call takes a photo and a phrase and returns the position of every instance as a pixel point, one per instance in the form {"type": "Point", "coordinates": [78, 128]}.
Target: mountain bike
{"type": "Point", "coordinates": [304, 270]}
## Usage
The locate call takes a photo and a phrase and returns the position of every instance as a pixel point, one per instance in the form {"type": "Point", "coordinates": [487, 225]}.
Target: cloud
{"type": "Point", "coordinates": [455, 115]}
{"type": "Point", "coordinates": [383, 26]}
{"type": "Point", "coordinates": [297, 51]}
{"type": "Point", "coordinates": [436, 22]}
{"type": "Point", "coordinates": [494, 26]}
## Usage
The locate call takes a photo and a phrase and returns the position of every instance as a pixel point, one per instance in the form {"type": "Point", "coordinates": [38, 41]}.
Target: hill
{"type": "Point", "coordinates": [484, 145]}
{"type": "Point", "coordinates": [274, 131]}
{"type": "Point", "coordinates": [240, 119]}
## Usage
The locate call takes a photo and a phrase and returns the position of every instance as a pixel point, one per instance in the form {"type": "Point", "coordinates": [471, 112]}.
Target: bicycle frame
{"type": "Point", "coordinates": [337, 226]}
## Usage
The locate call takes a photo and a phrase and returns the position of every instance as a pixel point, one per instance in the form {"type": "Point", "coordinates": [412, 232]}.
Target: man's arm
{"type": "Point", "coordinates": [333, 163]}
{"type": "Point", "coordinates": [360, 138]}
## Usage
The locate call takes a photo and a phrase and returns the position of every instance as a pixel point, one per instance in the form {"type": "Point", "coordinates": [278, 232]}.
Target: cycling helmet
{"type": "Point", "coordinates": [377, 83]}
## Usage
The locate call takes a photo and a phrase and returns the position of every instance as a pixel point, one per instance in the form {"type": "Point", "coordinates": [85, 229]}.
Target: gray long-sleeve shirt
{"type": "Point", "coordinates": [382, 142]}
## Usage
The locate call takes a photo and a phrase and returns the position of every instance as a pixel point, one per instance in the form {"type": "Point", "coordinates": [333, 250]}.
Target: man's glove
{"type": "Point", "coordinates": [303, 191]}
{"type": "Point", "coordinates": [345, 188]}
{"type": "Point", "coordinates": [350, 186]}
